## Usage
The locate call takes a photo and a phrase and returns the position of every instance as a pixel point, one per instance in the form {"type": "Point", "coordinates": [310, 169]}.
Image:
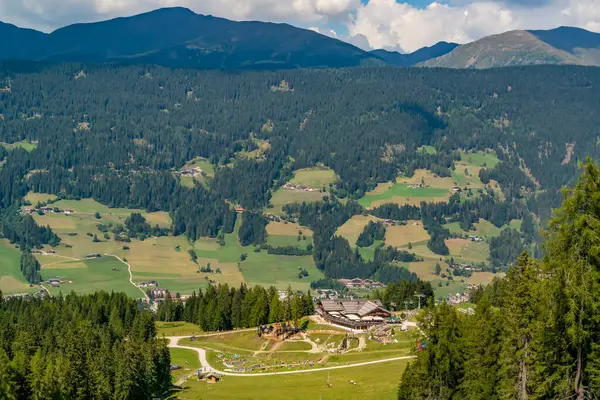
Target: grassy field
{"type": "Point", "coordinates": [287, 229]}
{"type": "Point", "coordinates": [427, 150]}
{"type": "Point", "coordinates": [23, 144]}
{"type": "Point", "coordinates": [401, 193]}
{"type": "Point", "coordinates": [400, 235]}
{"type": "Point", "coordinates": [11, 278]}
{"type": "Point", "coordinates": [354, 227]}
{"type": "Point", "coordinates": [177, 328]}
{"type": "Point", "coordinates": [187, 359]}
{"type": "Point", "coordinates": [35, 198]}
{"type": "Point", "coordinates": [286, 240]}
{"type": "Point", "coordinates": [105, 273]}
{"type": "Point", "coordinates": [466, 174]}
{"type": "Point", "coordinates": [284, 196]}
{"type": "Point", "coordinates": [464, 249]}
{"type": "Point", "coordinates": [480, 158]}
{"type": "Point", "coordinates": [376, 382]}
{"type": "Point", "coordinates": [483, 228]}
{"type": "Point", "coordinates": [316, 177]}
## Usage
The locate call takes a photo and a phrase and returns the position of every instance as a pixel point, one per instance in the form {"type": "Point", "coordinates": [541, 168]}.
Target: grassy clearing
{"type": "Point", "coordinates": [467, 250]}
{"type": "Point", "coordinates": [352, 229]}
{"type": "Point", "coordinates": [316, 177]}
{"type": "Point", "coordinates": [11, 278]}
{"type": "Point", "coordinates": [177, 329]}
{"type": "Point", "coordinates": [35, 198]}
{"type": "Point", "coordinates": [286, 240]}
{"type": "Point", "coordinates": [368, 253]}
{"type": "Point", "coordinates": [23, 144]}
{"type": "Point", "coordinates": [187, 359]}
{"type": "Point", "coordinates": [400, 235]}
{"type": "Point", "coordinates": [401, 193]}
{"type": "Point", "coordinates": [480, 158]}
{"type": "Point", "coordinates": [284, 196]}
{"type": "Point", "coordinates": [287, 228]}
{"type": "Point", "coordinates": [205, 166]}
{"type": "Point", "coordinates": [378, 381]}
{"type": "Point", "coordinates": [427, 150]}
{"type": "Point", "coordinates": [105, 273]}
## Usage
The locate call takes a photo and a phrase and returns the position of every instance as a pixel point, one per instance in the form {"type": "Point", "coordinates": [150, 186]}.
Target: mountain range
{"type": "Point", "coordinates": [564, 45]}
{"type": "Point", "coordinates": [178, 37]}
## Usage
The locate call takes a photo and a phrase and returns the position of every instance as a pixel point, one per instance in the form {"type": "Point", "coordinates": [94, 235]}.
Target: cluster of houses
{"type": "Point", "coordinates": [44, 252]}
{"type": "Point", "coordinates": [193, 171]}
{"type": "Point", "coordinates": [358, 283]}
{"type": "Point", "coordinates": [46, 209]}
{"type": "Point", "coordinates": [327, 294]}
{"type": "Point", "coordinates": [457, 299]}
{"type": "Point", "coordinates": [300, 188]}
{"type": "Point", "coordinates": [148, 284]}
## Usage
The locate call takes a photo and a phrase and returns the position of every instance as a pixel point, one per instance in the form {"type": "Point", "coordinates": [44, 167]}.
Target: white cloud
{"type": "Point", "coordinates": [324, 31]}
{"type": "Point", "coordinates": [51, 14]}
{"type": "Point", "coordinates": [386, 23]}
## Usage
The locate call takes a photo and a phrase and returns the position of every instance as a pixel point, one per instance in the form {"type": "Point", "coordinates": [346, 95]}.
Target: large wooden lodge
{"type": "Point", "coordinates": [355, 314]}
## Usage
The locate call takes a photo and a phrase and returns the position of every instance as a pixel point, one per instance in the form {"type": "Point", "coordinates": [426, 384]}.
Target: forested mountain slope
{"type": "Point", "coordinates": [118, 134]}
{"type": "Point", "coordinates": [564, 45]}
{"type": "Point", "coordinates": [418, 56]}
{"type": "Point", "coordinates": [177, 37]}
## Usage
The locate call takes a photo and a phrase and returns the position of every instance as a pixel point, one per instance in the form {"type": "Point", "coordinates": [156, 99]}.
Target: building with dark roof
{"type": "Point", "coordinates": [355, 314]}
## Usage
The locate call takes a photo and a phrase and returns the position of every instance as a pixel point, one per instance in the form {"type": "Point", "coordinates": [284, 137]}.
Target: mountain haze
{"type": "Point", "coordinates": [178, 37]}
{"type": "Point", "coordinates": [564, 45]}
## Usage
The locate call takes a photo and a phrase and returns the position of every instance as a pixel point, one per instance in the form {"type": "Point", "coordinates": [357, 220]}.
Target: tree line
{"type": "Point", "coordinates": [98, 346]}
{"type": "Point", "coordinates": [222, 307]}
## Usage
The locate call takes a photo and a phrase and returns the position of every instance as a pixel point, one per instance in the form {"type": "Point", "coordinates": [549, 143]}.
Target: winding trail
{"type": "Point", "coordinates": [130, 275]}
{"type": "Point", "coordinates": [174, 343]}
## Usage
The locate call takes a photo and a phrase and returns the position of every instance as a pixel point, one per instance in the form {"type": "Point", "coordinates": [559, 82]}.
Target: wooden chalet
{"type": "Point", "coordinates": [355, 314]}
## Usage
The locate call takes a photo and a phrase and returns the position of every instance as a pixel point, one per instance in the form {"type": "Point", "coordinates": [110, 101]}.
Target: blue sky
{"type": "Point", "coordinates": [393, 24]}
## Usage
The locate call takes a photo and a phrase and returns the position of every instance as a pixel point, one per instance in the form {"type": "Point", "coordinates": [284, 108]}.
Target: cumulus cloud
{"type": "Point", "coordinates": [387, 23]}
{"type": "Point", "coordinates": [51, 14]}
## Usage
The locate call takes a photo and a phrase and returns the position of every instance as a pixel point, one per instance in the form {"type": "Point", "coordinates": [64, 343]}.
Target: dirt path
{"type": "Point", "coordinates": [174, 343]}
{"type": "Point", "coordinates": [130, 275]}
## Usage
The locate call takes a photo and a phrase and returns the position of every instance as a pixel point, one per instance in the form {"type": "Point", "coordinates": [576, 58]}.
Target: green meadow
{"type": "Point", "coordinates": [400, 190]}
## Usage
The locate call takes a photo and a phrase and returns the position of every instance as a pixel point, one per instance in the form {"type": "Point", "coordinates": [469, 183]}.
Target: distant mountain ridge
{"type": "Point", "coordinates": [563, 45]}
{"type": "Point", "coordinates": [409, 59]}
{"type": "Point", "coordinates": [178, 37]}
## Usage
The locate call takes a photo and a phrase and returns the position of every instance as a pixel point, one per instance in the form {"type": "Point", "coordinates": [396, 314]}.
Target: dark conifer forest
{"type": "Point", "coordinates": [118, 134]}
{"type": "Point", "coordinates": [96, 346]}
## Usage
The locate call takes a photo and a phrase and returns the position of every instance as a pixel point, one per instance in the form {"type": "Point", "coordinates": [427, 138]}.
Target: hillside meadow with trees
{"type": "Point", "coordinates": [118, 134]}
{"type": "Point", "coordinates": [534, 333]}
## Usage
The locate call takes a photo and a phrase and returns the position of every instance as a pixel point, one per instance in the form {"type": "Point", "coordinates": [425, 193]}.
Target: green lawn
{"type": "Point", "coordinates": [23, 144]}
{"type": "Point", "coordinates": [373, 382]}
{"type": "Point", "coordinates": [316, 177]}
{"type": "Point", "coordinates": [479, 158]}
{"type": "Point", "coordinates": [187, 359]}
{"type": "Point", "coordinates": [177, 328]}
{"type": "Point", "coordinates": [402, 190]}
{"type": "Point", "coordinates": [427, 150]}
{"type": "Point", "coordinates": [284, 196]}
{"type": "Point", "coordinates": [104, 273]}
{"type": "Point", "coordinates": [11, 278]}
{"type": "Point", "coordinates": [288, 240]}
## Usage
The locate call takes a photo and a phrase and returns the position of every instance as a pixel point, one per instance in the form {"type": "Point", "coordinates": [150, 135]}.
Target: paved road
{"type": "Point", "coordinates": [173, 343]}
